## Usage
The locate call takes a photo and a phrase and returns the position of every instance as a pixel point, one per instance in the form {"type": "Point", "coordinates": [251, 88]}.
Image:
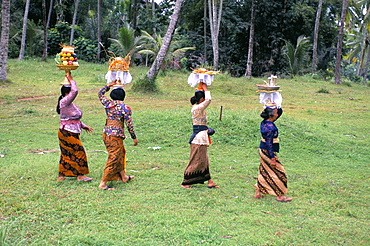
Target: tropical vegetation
{"type": "Point", "coordinates": [218, 32]}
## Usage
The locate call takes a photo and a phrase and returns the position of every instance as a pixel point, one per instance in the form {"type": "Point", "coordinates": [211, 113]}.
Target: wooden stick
{"type": "Point", "coordinates": [220, 118]}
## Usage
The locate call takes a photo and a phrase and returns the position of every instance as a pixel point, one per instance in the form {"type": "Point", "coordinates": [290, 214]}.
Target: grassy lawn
{"type": "Point", "coordinates": [324, 135]}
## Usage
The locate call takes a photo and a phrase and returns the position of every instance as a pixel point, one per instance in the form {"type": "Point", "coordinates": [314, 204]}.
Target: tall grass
{"type": "Point", "coordinates": [324, 148]}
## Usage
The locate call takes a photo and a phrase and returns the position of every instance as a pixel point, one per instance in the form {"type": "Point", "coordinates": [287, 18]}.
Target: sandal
{"type": "Point", "coordinates": [213, 186]}
{"type": "Point", "coordinates": [87, 179]}
{"type": "Point", "coordinates": [107, 188]}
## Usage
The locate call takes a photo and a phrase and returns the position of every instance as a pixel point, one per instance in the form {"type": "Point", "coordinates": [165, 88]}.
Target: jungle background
{"type": "Point", "coordinates": [289, 37]}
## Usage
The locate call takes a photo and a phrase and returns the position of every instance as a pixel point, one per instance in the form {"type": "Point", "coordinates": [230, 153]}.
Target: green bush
{"type": "Point", "coordinates": [87, 49]}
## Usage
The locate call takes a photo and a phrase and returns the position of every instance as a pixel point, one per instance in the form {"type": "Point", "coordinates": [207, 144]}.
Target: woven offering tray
{"type": "Point", "coordinates": [67, 67]}
{"type": "Point", "coordinates": [268, 88]}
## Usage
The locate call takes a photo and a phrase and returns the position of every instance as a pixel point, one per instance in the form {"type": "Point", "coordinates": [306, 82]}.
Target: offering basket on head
{"type": "Point", "coordinates": [118, 71]}
{"type": "Point", "coordinates": [66, 60]}
{"type": "Point", "coordinates": [269, 86]}
{"type": "Point", "coordinates": [201, 75]}
{"type": "Point", "coordinates": [270, 95]}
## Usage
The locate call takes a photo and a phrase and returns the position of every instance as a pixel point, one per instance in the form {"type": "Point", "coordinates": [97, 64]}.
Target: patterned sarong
{"type": "Point", "coordinates": [271, 180]}
{"type": "Point", "coordinates": [73, 160]}
{"type": "Point", "coordinates": [116, 161]}
{"type": "Point", "coordinates": [197, 171]}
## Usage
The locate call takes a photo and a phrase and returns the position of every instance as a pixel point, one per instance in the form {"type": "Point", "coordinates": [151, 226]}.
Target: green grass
{"type": "Point", "coordinates": [324, 148]}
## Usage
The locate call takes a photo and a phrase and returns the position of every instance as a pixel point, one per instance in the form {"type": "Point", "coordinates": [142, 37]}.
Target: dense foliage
{"type": "Point", "coordinates": [276, 23]}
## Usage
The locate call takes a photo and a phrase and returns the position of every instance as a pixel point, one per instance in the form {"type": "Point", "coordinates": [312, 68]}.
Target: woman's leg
{"type": "Point", "coordinates": [257, 194]}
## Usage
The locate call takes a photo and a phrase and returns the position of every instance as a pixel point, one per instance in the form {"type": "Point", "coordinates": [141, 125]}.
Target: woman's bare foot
{"type": "Point", "coordinates": [84, 178]}
{"type": "Point", "coordinates": [103, 185]}
{"type": "Point", "coordinates": [61, 178]}
{"type": "Point", "coordinates": [283, 199]}
{"type": "Point", "coordinates": [106, 187]}
{"type": "Point", "coordinates": [186, 187]}
{"type": "Point", "coordinates": [212, 184]}
{"type": "Point", "coordinates": [128, 178]}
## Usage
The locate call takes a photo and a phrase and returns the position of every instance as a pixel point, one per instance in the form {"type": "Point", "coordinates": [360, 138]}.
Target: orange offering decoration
{"type": "Point", "coordinates": [119, 71]}
{"type": "Point", "coordinates": [66, 60]}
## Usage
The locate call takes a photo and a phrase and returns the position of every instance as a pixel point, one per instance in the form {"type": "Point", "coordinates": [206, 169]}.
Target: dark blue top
{"type": "Point", "coordinates": [269, 131]}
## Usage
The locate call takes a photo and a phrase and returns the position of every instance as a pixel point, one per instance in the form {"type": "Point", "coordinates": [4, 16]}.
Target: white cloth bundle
{"type": "Point", "coordinates": [274, 97]}
{"type": "Point", "coordinates": [195, 78]}
{"type": "Point", "coordinates": [124, 77]}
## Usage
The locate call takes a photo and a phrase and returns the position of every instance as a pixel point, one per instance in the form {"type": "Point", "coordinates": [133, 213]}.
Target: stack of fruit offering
{"type": "Point", "coordinates": [67, 57]}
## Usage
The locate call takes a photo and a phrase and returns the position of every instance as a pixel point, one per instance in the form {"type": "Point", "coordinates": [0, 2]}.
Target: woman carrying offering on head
{"type": "Point", "coordinates": [272, 178]}
{"type": "Point", "coordinates": [197, 170]}
{"type": "Point", "coordinates": [118, 114]}
{"type": "Point", "coordinates": [73, 160]}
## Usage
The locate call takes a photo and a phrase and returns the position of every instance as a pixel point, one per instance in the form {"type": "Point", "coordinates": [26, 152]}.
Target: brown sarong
{"type": "Point", "coordinates": [73, 160]}
{"type": "Point", "coordinates": [271, 180]}
{"type": "Point", "coordinates": [116, 161]}
{"type": "Point", "coordinates": [197, 171]}
{"type": "Point", "coordinates": [114, 123]}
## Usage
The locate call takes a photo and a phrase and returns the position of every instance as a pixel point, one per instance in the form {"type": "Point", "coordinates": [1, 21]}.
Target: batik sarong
{"type": "Point", "coordinates": [73, 160]}
{"type": "Point", "coordinates": [116, 161]}
{"type": "Point", "coordinates": [271, 180]}
{"type": "Point", "coordinates": [197, 171]}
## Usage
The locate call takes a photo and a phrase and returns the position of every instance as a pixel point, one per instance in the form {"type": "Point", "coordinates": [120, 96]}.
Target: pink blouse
{"type": "Point", "coordinates": [70, 114]}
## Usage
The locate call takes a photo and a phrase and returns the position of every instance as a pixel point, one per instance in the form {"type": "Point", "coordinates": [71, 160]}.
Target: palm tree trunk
{"type": "Point", "coordinates": [59, 10]}
{"type": "Point", "coordinates": [215, 27]}
{"type": "Point", "coordinates": [340, 43]}
{"type": "Point", "coordinates": [248, 72]}
{"type": "Point", "coordinates": [154, 69]}
{"type": "Point", "coordinates": [316, 37]}
{"type": "Point", "coordinates": [49, 14]}
{"type": "Point", "coordinates": [135, 14]}
{"type": "Point", "coordinates": [46, 27]}
{"type": "Point", "coordinates": [99, 34]}
{"type": "Point", "coordinates": [45, 36]}
{"type": "Point", "coordinates": [24, 31]}
{"type": "Point", "coordinates": [205, 30]}
{"type": "Point", "coordinates": [364, 81]}
{"type": "Point", "coordinates": [5, 14]}
{"type": "Point", "coordinates": [74, 22]}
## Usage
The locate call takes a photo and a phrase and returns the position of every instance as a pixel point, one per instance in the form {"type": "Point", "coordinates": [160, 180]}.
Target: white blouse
{"type": "Point", "coordinates": [199, 117]}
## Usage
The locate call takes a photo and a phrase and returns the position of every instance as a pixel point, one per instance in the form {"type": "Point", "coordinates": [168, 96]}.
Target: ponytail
{"type": "Point", "coordinates": [64, 91]}
{"type": "Point", "coordinates": [58, 104]}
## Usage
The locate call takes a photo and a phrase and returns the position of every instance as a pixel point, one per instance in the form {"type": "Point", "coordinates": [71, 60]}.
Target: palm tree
{"type": "Point", "coordinates": [151, 46]}
{"type": "Point", "coordinates": [24, 31]}
{"type": "Point", "coordinates": [340, 44]}
{"type": "Point", "coordinates": [316, 37]}
{"type": "Point", "coordinates": [5, 23]}
{"type": "Point", "coordinates": [248, 71]}
{"type": "Point", "coordinates": [148, 83]}
{"type": "Point", "coordinates": [74, 22]}
{"type": "Point", "coordinates": [215, 20]}
{"type": "Point", "coordinates": [296, 55]}
{"type": "Point", "coordinates": [127, 41]}
{"type": "Point", "coordinates": [99, 29]}
{"type": "Point", "coordinates": [359, 37]}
